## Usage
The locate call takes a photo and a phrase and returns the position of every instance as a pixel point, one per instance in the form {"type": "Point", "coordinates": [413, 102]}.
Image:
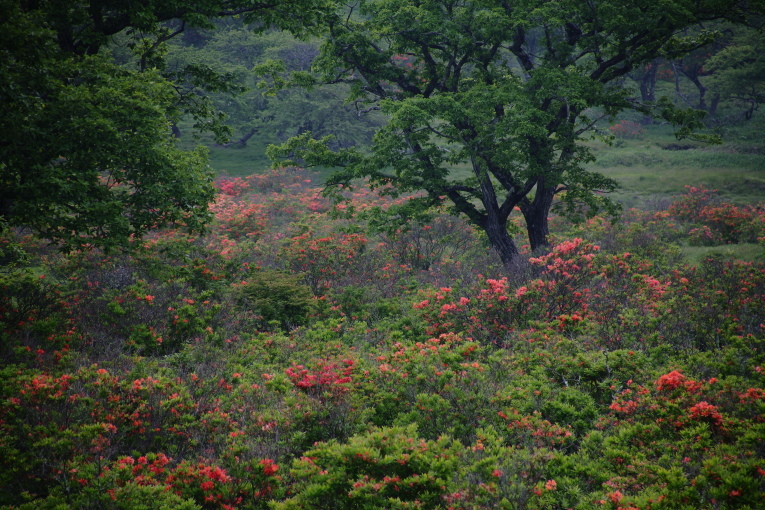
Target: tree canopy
{"type": "Point", "coordinates": [234, 49]}
{"type": "Point", "coordinates": [86, 154]}
{"type": "Point", "coordinates": [489, 100]}
{"type": "Point", "coordinates": [738, 70]}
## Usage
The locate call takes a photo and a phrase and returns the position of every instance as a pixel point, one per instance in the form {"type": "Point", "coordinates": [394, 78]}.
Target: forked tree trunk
{"type": "Point", "coordinates": [701, 88]}
{"type": "Point", "coordinates": [501, 241]}
{"type": "Point", "coordinates": [535, 212]}
{"type": "Point", "coordinates": [648, 88]}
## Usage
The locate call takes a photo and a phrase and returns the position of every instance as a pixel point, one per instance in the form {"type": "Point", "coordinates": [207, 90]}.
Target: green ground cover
{"type": "Point", "coordinates": [291, 358]}
{"type": "Point", "coordinates": [656, 166]}
{"type": "Point", "coordinates": [650, 168]}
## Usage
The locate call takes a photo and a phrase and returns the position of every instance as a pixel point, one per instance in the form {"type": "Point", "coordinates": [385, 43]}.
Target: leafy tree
{"type": "Point", "coordinates": [488, 100]}
{"type": "Point", "coordinates": [86, 156]}
{"type": "Point", "coordinates": [645, 77]}
{"type": "Point", "coordinates": [739, 70]}
{"type": "Point", "coordinates": [240, 53]}
{"type": "Point", "coordinates": [694, 67]}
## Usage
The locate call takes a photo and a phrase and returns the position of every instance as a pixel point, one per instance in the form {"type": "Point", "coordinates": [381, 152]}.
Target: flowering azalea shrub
{"type": "Point", "coordinates": [232, 186]}
{"type": "Point", "coordinates": [421, 246]}
{"type": "Point", "coordinates": [578, 291]}
{"type": "Point", "coordinates": [323, 378]}
{"type": "Point", "coordinates": [239, 219]}
{"type": "Point", "coordinates": [294, 357]}
{"type": "Point", "coordinates": [438, 383]}
{"type": "Point", "coordinates": [322, 259]}
{"type": "Point", "coordinates": [395, 468]}
{"type": "Point", "coordinates": [735, 224]}
{"type": "Point", "coordinates": [707, 432]}
{"type": "Point", "coordinates": [704, 236]}
{"type": "Point", "coordinates": [627, 129]}
{"type": "Point", "coordinates": [383, 469]}
{"type": "Point", "coordinates": [718, 223]}
{"type": "Point", "coordinates": [688, 207]}
{"type": "Point", "coordinates": [35, 318]}
{"type": "Point", "coordinates": [148, 321]}
{"type": "Point", "coordinates": [157, 481]}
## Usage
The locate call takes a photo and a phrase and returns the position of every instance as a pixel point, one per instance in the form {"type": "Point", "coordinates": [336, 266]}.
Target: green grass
{"type": "Point", "coordinates": [241, 161]}
{"type": "Point", "coordinates": [748, 252]}
{"type": "Point", "coordinates": [235, 161]}
{"type": "Point", "coordinates": [648, 173]}
{"type": "Point", "coordinates": [238, 161]}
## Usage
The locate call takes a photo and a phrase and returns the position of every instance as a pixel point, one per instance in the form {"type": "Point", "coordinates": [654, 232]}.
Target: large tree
{"type": "Point", "coordinates": [488, 99]}
{"type": "Point", "coordinates": [738, 70]}
{"type": "Point", "coordinates": [86, 153]}
{"type": "Point", "coordinates": [239, 51]}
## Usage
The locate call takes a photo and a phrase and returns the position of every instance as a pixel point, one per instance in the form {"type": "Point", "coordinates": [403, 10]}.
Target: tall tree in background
{"type": "Point", "coordinates": [86, 155]}
{"type": "Point", "coordinates": [488, 100]}
{"type": "Point", "coordinates": [694, 67]}
{"type": "Point", "coordinates": [737, 72]}
{"type": "Point", "coordinates": [645, 77]}
{"type": "Point", "coordinates": [238, 51]}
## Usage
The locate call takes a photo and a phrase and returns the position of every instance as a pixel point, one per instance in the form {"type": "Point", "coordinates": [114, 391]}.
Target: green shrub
{"type": "Point", "coordinates": [385, 468]}
{"type": "Point", "coordinates": [277, 297]}
{"type": "Point", "coordinates": [132, 496]}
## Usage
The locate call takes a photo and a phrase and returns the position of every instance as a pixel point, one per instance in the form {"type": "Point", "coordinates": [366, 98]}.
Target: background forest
{"type": "Point", "coordinates": [183, 326]}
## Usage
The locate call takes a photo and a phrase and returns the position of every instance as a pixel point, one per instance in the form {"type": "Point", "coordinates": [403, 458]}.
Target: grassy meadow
{"type": "Point", "coordinates": [657, 166]}
{"type": "Point", "coordinates": [650, 168]}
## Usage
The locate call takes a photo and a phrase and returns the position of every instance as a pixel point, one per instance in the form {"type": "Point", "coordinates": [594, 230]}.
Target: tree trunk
{"type": "Point", "coordinates": [648, 88]}
{"type": "Point", "coordinates": [241, 142]}
{"type": "Point", "coordinates": [715, 103]}
{"type": "Point", "coordinates": [693, 73]}
{"type": "Point", "coordinates": [676, 74]}
{"type": "Point", "coordinates": [536, 212]}
{"type": "Point", "coordinates": [494, 222]}
{"type": "Point", "coordinates": [501, 241]}
{"type": "Point", "coordinates": [702, 91]}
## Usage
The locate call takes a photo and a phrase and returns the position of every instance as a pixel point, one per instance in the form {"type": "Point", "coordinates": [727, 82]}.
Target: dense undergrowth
{"type": "Point", "coordinates": [292, 359]}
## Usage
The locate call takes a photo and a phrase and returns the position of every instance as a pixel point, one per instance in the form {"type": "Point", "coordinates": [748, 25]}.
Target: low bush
{"type": "Point", "coordinates": [295, 359]}
{"type": "Point", "coordinates": [276, 297]}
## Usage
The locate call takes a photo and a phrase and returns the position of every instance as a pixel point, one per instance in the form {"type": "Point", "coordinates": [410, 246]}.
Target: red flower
{"type": "Point", "coordinates": [706, 410]}
{"type": "Point", "coordinates": [269, 467]}
{"type": "Point", "coordinates": [670, 381]}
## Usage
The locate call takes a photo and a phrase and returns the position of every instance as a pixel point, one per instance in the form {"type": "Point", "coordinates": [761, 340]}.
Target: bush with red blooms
{"type": "Point", "coordinates": [294, 358]}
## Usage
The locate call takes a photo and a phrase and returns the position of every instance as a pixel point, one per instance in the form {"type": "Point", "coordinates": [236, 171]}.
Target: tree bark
{"type": "Point", "coordinates": [648, 88]}
{"type": "Point", "coordinates": [536, 212]}
{"type": "Point", "coordinates": [501, 241]}
{"type": "Point", "coordinates": [241, 142]}
{"type": "Point", "coordinates": [701, 88]}
{"type": "Point", "coordinates": [714, 104]}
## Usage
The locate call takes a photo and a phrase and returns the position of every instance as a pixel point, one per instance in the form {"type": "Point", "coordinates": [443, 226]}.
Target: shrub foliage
{"type": "Point", "coordinates": [292, 359]}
